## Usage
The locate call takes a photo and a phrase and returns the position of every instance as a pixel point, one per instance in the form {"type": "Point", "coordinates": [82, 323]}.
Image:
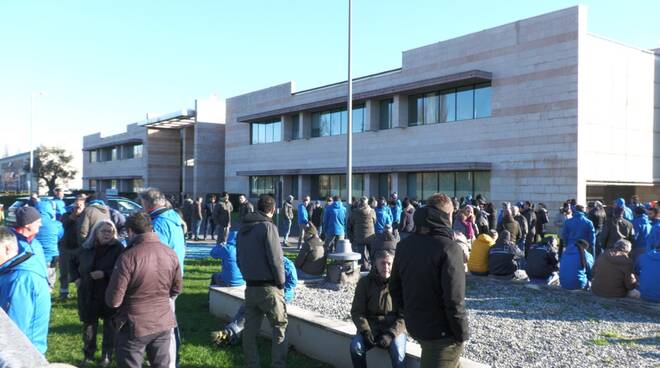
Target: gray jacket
{"type": "Point", "coordinates": [258, 250]}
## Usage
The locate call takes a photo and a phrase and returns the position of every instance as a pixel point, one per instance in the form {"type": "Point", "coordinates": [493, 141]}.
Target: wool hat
{"type": "Point", "coordinates": [26, 216]}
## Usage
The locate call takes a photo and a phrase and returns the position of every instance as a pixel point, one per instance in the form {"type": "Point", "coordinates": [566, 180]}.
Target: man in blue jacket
{"type": "Point", "coordinates": [641, 231]}
{"type": "Point", "coordinates": [384, 216]}
{"type": "Point", "coordinates": [24, 292]}
{"type": "Point", "coordinates": [575, 266]}
{"type": "Point", "coordinates": [58, 203]}
{"type": "Point", "coordinates": [396, 208]}
{"type": "Point", "coordinates": [169, 227]}
{"type": "Point", "coordinates": [28, 222]}
{"type": "Point", "coordinates": [50, 233]}
{"type": "Point", "coordinates": [579, 227]}
{"type": "Point", "coordinates": [303, 218]}
{"type": "Point", "coordinates": [648, 267]}
{"type": "Point", "coordinates": [334, 223]}
{"type": "Point", "coordinates": [230, 274]}
{"type": "Point", "coordinates": [654, 236]}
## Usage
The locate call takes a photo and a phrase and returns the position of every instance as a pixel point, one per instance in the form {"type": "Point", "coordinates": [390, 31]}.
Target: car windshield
{"type": "Point", "coordinates": [126, 206]}
{"type": "Point", "coordinates": [18, 203]}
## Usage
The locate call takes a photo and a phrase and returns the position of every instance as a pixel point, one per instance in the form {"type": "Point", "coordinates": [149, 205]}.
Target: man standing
{"type": "Point", "coordinates": [287, 210]}
{"type": "Point", "coordinates": [579, 227]}
{"type": "Point", "coordinates": [245, 207]}
{"type": "Point", "coordinates": [58, 201]}
{"type": "Point", "coordinates": [95, 211]}
{"type": "Point", "coordinates": [209, 208]}
{"type": "Point", "coordinates": [68, 245]}
{"type": "Point", "coordinates": [146, 276]}
{"type": "Point", "coordinates": [169, 227]}
{"type": "Point", "coordinates": [361, 230]}
{"type": "Point", "coordinates": [196, 217]}
{"type": "Point", "coordinates": [334, 223]}
{"type": "Point", "coordinates": [428, 284]}
{"type": "Point", "coordinates": [260, 261]}
{"type": "Point", "coordinates": [303, 218]}
{"type": "Point", "coordinates": [50, 233]}
{"type": "Point", "coordinates": [222, 217]}
{"type": "Point", "coordinates": [396, 208]}
{"type": "Point", "coordinates": [24, 290]}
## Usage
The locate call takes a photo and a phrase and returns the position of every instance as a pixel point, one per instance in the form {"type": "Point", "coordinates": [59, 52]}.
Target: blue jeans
{"type": "Point", "coordinates": [397, 351]}
{"type": "Point", "coordinates": [195, 228]}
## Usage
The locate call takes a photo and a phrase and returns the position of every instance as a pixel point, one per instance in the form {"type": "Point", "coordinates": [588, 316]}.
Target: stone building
{"type": "Point", "coordinates": [538, 109]}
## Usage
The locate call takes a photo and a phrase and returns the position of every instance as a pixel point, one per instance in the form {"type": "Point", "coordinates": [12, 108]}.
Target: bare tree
{"type": "Point", "coordinates": [52, 164]}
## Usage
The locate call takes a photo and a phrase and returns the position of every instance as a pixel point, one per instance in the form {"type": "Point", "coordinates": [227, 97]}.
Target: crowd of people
{"type": "Point", "coordinates": [129, 271]}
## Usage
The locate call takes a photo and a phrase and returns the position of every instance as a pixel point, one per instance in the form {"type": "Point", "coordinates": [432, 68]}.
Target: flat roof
{"type": "Point", "coordinates": [174, 120]}
{"type": "Point", "coordinates": [421, 86]}
{"type": "Point", "coordinates": [113, 143]}
{"type": "Point", "coordinates": [450, 166]}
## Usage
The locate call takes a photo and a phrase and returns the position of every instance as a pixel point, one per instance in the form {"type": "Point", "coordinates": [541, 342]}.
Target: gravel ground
{"type": "Point", "coordinates": [513, 326]}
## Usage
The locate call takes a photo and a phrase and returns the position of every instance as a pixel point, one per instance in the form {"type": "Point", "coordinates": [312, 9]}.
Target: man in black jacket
{"type": "Point", "coordinates": [260, 260]}
{"type": "Point", "coordinates": [428, 284]}
{"type": "Point", "coordinates": [543, 261]}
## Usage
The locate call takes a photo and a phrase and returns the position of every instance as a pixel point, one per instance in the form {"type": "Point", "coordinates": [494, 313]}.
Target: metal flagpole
{"type": "Point", "coordinates": [349, 113]}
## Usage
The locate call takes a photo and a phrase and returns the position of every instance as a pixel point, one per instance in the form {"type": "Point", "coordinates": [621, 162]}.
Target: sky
{"type": "Point", "coordinates": [106, 64]}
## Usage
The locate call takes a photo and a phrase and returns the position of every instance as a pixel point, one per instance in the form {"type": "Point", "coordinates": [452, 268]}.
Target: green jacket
{"type": "Point", "coordinates": [373, 309]}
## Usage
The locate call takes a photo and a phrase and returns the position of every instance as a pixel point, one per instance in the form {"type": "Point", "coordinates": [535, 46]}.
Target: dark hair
{"type": "Point", "coordinates": [139, 223]}
{"type": "Point", "coordinates": [579, 208]}
{"type": "Point", "coordinates": [336, 198]}
{"type": "Point", "coordinates": [224, 194]}
{"type": "Point", "coordinates": [655, 212]}
{"type": "Point", "coordinates": [581, 245]}
{"type": "Point", "coordinates": [266, 203]}
{"type": "Point", "coordinates": [639, 210]}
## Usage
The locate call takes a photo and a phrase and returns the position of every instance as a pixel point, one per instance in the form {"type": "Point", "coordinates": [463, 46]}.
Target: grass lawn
{"type": "Point", "coordinates": [195, 322]}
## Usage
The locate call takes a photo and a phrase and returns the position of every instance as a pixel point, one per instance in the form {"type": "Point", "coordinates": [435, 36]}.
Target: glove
{"type": "Point", "coordinates": [385, 340]}
{"type": "Point", "coordinates": [368, 338]}
{"type": "Point", "coordinates": [54, 261]}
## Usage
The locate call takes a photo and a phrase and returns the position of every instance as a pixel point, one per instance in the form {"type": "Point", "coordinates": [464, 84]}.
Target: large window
{"type": "Point", "coordinates": [137, 151]}
{"type": "Point", "coordinates": [92, 156]}
{"type": "Point", "coordinates": [295, 127]}
{"type": "Point", "coordinates": [384, 185]}
{"type": "Point", "coordinates": [470, 102]}
{"type": "Point", "coordinates": [335, 122]}
{"type": "Point", "coordinates": [330, 185]}
{"type": "Point", "coordinates": [263, 185]}
{"type": "Point", "coordinates": [138, 185]}
{"type": "Point", "coordinates": [453, 183]}
{"type": "Point", "coordinates": [266, 132]}
{"type": "Point", "coordinates": [92, 184]}
{"type": "Point", "coordinates": [385, 116]}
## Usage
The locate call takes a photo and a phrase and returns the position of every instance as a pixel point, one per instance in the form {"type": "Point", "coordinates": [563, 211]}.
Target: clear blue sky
{"type": "Point", "coordinates": [105, 64]}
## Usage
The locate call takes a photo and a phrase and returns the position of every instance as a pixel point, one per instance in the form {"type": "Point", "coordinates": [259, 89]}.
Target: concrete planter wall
{"type": "Point", "coordinates": [318, 337]}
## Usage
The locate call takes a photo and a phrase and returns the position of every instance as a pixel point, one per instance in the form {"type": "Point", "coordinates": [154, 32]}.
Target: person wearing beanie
{"type": "Point", "coordinates": [24, 292]}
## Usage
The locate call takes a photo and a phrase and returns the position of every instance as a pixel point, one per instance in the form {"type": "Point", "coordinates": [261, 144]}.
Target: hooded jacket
{"type": "Point", "coordinates": [542, 261]}
{"type": "Point", "coordinates": [407, 224]}
{"type": "Point", "coordinates": [578, 227]}
{"type": "Point", "coordinates": [50, 232]}
{"type": "Point", "coordinates": [32, 246]}
{"type": "Point", "coordinates": [478, 260]}
{"type": "Point", "coordinates": [383, 217]}
{"type": "Point", "coordinates": [372, 308]}
{"type": "Point", "coordinates": [311, 259]}
{"type": "Point", "coordinates": [642, 229]}
{"type": "Point", "coordinates": [649, 275]}
{"type": "Point", "coordinates": [361, 224]}
{"type": "Point", "coordinates": [615, 228]}
{"type": "Point", "coordinates": [627, 212]}
{"type": "Point", "coordinates": [94, 212]}
{"type": "Point", "coordinates": [428, 279]}
{"type": "Point", "coordinates": [25, 296]}
{"type": "Point", "coordinates": [334, 219]}
{"type": "Point", "coordinates": [91, 293]}
{"type": "Point", "coordinates": [169, 227]}
{"type": "Point", "coordinates": [503, 255]}
{"type": "Point", "coordinates": [571, 274]}
{"type": "Point", "coordinates": [70, 238]}
{"type": "Point", "coordinates": [259, 251]}
{"type": "Point", "coordinates": [654, 235]}
{"type": "Point", "coordinates": [512, 226]}
{"type": "Point", "coordinates": [396, 210]}
{"type": "Point", "coordinates": [613, 275]}
{"type": "Point", "coordinates": [230, 274]}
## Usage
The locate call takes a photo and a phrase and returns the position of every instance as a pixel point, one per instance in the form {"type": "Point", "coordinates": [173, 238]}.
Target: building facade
{"type": "Point", "coordinates": [179, 153]}
{"type": "Point", "coordinates": [538, 109]}
{"type": "Point", "coordinates": [13, 175]}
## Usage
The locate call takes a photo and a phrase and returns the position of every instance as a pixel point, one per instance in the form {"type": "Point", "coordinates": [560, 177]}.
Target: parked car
{"type": "Point", "coordinates": [121, 204]}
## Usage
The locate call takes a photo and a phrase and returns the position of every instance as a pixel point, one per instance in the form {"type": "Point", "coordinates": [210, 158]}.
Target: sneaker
{"type": "Point", "coordinates": [219, 337]}
{"type": "Point", "coordinates": [105, 361]}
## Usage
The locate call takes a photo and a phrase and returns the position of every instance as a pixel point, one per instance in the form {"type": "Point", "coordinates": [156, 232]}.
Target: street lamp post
{"type": "Point", "coordinates": [30, 174]}
{"type": "Point", "coordinates": [349, 113]}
